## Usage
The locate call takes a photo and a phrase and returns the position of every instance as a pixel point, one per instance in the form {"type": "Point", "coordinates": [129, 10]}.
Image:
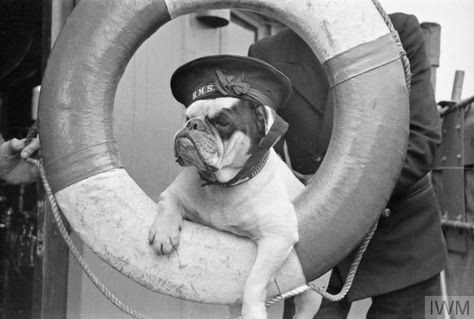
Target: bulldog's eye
{"type": "Point", "coordinates": [222, 120]}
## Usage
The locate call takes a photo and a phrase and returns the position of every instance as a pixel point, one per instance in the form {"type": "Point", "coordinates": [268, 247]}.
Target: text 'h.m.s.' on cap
{"type": "Point", "coordinates": [230, 76]}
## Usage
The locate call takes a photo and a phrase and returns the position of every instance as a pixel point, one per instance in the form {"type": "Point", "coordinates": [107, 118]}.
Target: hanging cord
{"type": "Point", "coordinates": [69, 242]}
{"type": "Point", "coordinates": [321, 290]}
{"type": "Point", "coordinates": [403, 54]}
{"type": "Point", "coordinates": [349, 279]}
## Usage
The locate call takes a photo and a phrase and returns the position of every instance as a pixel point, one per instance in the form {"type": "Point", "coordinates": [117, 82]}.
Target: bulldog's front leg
{"type": "Point", "coordinates": [164, 233]}
{"type": "Point", "coordinates": [271, 253]}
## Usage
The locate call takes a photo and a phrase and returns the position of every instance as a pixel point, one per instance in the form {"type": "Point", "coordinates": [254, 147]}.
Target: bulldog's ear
{"type": "Point", "coordinates": [265, 117]}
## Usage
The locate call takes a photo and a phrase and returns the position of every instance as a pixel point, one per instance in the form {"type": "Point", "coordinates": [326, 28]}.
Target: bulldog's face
{"type": "Point", "coordinates": [221, 134]}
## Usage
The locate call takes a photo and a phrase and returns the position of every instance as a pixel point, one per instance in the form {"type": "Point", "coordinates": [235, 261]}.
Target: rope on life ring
{"type": "Point", "coordinates": [355, 179]}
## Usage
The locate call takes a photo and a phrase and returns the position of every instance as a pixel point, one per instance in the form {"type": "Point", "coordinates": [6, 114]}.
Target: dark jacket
{"type": "Point", "coordinates": [408, 246]}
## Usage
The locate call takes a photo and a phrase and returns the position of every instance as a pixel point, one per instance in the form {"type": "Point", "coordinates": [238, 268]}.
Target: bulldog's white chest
{"type": "Point", "coordinates": [253, 209]}
{"type": "Point", "coordinates": [228, 209]}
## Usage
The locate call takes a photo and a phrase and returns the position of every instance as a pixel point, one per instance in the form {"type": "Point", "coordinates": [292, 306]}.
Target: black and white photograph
{"type": "Point", "coordinates": [236, 159]}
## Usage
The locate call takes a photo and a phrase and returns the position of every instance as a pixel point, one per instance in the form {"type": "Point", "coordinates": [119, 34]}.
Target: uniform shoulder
{"type": "Point", "coordinates": [403, 22]}
{"type": "Point", "coordinates": [276, 44]}
{"type": "Point", "coordinates": [284, 35]}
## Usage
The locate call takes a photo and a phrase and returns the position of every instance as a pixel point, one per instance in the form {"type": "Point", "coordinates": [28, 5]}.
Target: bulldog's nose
{"type": "Point", "coordinates": [196, 124]}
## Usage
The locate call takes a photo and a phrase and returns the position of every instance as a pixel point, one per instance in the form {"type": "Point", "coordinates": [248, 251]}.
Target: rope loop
{"type": "Point", "coordinates": [347, 285]}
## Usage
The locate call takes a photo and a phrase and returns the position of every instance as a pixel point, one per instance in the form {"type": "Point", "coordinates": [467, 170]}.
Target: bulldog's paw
{"type": "Point", "coordinates": [164, 234]}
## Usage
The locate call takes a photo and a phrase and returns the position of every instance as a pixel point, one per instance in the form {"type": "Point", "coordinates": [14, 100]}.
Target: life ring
{"type": "Point", "coordinates": [112, 214]}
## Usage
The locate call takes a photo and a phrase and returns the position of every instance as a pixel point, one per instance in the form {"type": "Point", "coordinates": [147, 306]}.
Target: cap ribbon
{"type": "Point", "coordinates": [231, 85]}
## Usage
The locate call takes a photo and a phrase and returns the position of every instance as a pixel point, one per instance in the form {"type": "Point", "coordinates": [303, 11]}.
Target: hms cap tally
{"type": "Point", "coordinates": [230, 76]}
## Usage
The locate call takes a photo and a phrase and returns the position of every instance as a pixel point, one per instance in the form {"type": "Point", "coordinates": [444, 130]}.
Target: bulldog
{"type": "Point", "coordinates": [233, 181]}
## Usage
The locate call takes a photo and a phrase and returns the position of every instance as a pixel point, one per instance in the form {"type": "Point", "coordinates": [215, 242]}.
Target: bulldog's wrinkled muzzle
{"type": "Point", "coordinates": [196, 145]}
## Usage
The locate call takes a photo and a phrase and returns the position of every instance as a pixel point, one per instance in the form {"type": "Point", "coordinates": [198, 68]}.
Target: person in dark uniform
{"type": "Point", "coordinates": [404, 258]}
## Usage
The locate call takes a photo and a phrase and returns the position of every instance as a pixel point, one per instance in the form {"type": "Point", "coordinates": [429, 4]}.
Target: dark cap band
{"type": "Point", "coordinates": [228, 75]}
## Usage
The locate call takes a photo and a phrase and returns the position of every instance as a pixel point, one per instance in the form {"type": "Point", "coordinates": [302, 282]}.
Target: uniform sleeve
{"type": "Point", "coordinates": [425, 130]}
{"type": "Point", "coordinates": [255, 52]}
{"type": "Point", "coordinates": [252, 52]}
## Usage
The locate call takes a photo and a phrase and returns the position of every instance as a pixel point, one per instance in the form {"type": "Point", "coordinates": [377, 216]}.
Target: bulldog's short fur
{"type": "Point", "coordinates": [218, 137]}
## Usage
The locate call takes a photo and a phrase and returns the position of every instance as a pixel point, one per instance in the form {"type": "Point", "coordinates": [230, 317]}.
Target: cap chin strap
{"type": "Point", "coordinates": [256, 161]}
